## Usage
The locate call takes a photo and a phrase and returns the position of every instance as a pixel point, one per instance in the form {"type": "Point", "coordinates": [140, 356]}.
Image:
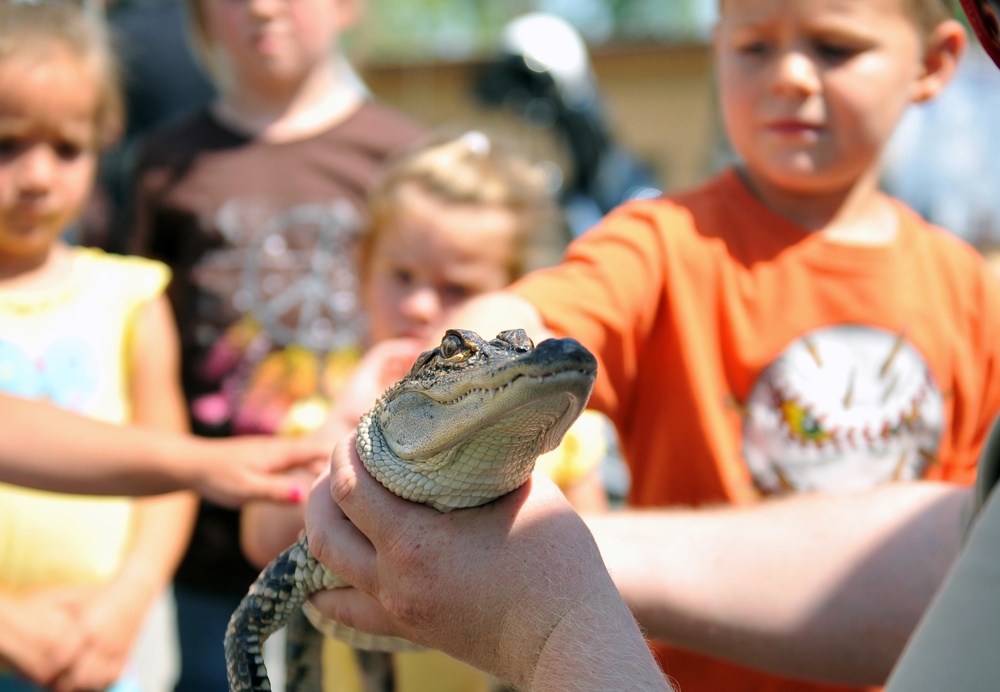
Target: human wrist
{"type": "Point", "coordinates": [167, 459]}
{"type": "Point", "coordinates": [598, 646]}
{"type": "Point", "coordinates": [191, 462]}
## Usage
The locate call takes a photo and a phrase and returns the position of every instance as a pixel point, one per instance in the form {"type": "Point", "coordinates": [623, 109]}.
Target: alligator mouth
{"type": "Point", "coordinates": [492, 392]}
{"type": "Point", "coordinates": [534, 397]}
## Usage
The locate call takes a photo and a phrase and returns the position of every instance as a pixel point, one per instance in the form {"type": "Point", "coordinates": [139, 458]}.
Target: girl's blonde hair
{"type": "Point", "coordinates": [473, 169]}
{"type": "Point", "coordinates": [34, 31]}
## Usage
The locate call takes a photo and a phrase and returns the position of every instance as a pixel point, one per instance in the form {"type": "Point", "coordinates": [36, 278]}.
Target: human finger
{"type": "Point", "coordinates": [335, 541]}
{"type": "Point", "coordinates": [377, 512]}
{"type": "Point", "coordinates": [93, 670]}
{"type": "Point", "coordinates": [255, 487]}
{"type": "Point", "coordinates": [297, 452]}
{"type": "Point", "coordinates": [357, 609]}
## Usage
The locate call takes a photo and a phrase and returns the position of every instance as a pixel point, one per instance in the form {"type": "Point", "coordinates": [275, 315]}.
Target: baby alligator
{"type": "Point", "coordinates": [461, 429]}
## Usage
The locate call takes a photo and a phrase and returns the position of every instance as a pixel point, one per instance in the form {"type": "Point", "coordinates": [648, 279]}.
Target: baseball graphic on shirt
{"type": "Point", "coordinates": [843, 408]}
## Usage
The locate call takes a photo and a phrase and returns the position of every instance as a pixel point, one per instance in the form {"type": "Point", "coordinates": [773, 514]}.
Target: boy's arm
{"type": "Point", "coordinates": [827, 587]}
{"type": "Point", "coordinates": [587, 495]}
{"type": "Point", "coordinates": [955, 644]}
{"type": "Point", "coordinates": [491, 313]}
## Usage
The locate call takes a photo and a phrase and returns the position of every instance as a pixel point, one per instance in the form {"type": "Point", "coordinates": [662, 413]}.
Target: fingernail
{"type": "Point", "coordinates": [296, 494]}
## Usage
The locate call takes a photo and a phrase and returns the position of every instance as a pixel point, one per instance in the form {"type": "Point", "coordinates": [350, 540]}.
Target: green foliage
{"type": "Point", "coordinates": [456, 29]}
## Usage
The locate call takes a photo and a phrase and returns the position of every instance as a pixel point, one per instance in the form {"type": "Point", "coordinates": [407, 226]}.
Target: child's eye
{"type": "Point", "coordinates": [754, 48]}
{"type": "Point", "coordinates": [9, 146]}
{"type": "Point", "coordinates": [403, 277]}
{"type": "Point", "coordinates": [457, 292]}
{"type": "Point", "coordinates": [68, 151]}
{"type": "Point", "coordinates": [835, 52]}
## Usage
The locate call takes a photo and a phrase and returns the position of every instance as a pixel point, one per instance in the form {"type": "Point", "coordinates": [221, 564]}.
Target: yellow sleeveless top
{"type": "Point", "coordinates": [68, 344]}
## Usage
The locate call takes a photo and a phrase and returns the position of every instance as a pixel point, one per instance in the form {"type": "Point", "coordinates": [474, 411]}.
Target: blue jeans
{"type": "Point", "coordinates": [202, 618]}
{"type": "Point", "coordinates": [12, 682]}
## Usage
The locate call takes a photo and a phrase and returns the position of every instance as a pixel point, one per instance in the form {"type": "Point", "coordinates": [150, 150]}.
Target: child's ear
{"type": "Point", "coordinates": [944, 49]}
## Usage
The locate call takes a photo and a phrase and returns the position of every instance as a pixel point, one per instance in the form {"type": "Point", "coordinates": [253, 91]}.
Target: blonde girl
{"type": "Point", "coordinates": [454, 218]}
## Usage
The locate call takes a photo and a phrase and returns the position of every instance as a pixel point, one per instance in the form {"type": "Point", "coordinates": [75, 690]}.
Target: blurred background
{"type": "Point", "coordinates": [615, 96]}
{"type": "Point", "coordinates": [652, 100]}
{"type": "Point", "coordinates": [649, 59]}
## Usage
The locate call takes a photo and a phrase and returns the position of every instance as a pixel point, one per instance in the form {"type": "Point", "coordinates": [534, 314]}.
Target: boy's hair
{"type": "Point", "coordinates": [926, 14]}
{"type": "Point", "coordinates": [472, 169]}
{"type": "Point", "coordinates": [33, 31]}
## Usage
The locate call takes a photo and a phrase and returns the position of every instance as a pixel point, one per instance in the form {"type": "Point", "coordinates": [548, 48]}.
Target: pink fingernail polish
{"type": "Point", "coordinates": [295, 495]}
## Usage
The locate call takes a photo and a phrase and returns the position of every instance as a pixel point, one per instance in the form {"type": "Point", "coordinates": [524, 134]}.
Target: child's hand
{"type": "Point", "coordinates": [109, 625]}
{"type": "Point", "coordinates": [39, 633]}
{"type": "Point", "coordinates": [382, 366]}
{"type": "Point", "coordinates": [244, 469]}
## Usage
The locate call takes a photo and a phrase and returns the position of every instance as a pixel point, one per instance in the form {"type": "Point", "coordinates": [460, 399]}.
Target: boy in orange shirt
{"type": "Point", "coordinates": [787, 327]}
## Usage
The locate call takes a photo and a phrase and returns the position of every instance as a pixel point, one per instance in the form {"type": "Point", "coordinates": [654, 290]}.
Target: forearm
{"type": "Point", "coordinates": [826, 587]}
{"type": "Point", "coordinates": [492, 313]}
{"type": "Point", "coordinates": [39, 631]}
{"type": "Point", "coordinates": [620, 660]}
{"type": "Point", "coordinates": [955, 645]}
{"type": "Point", "coordinates": [107, 459]}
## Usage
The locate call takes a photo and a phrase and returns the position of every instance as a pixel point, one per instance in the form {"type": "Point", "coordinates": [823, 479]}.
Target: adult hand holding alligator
{"type": "Point", "coordinates": [516, 587]}
{"type": "Point", "coordinates": [462, 429]}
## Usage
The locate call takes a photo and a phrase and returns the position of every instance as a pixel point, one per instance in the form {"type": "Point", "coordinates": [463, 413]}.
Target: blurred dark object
{"type": "Point", "coordinates": [543, 76]}
{"type": "Point", "coordinates": [984, 18]}
{"type": "Point", "coordinates": [163, 82]}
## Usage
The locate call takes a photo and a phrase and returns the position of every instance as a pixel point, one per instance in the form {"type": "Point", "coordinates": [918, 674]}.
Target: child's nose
{"type": "Point", "coordinates": [36, 168]}
{"type": "Point", "coordinates": [423, 305]}
{"type": "Point", "coordinates": [265, 8]}
{"type": "Point", "coordinates": [796, 72]}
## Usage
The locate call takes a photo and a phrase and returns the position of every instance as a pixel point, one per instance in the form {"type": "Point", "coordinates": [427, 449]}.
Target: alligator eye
{"type": "Point", "coordinates": [452, 346]}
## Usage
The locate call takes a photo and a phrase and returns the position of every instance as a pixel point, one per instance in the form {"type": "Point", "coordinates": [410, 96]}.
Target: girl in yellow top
{"type": "Point", "coordinates": [450, 220]}
{"type": "Point", "coordinates": [90, 333]}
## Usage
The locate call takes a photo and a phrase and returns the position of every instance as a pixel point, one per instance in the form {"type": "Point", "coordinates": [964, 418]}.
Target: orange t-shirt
{"type": "Point", "coordinates": [741, 356]}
